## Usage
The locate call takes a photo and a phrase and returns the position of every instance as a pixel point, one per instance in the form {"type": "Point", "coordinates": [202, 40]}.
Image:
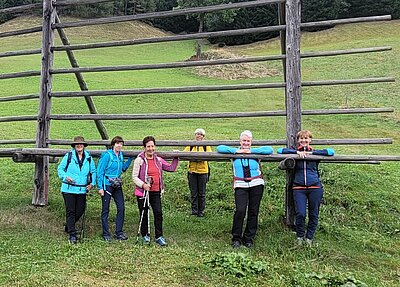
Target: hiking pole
{"type": "Point", "coordinates": [83, 226]}
{"type": "Point", "coordinates": [145, 201]}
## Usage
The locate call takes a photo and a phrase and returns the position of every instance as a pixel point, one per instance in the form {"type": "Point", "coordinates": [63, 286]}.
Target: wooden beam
{"type": "Point", "coordinates": [292, 95]}
{"type": "Point", "coordinates": [187, 89]}
{"type": "Point", "coordinates": [147, 116]}
{"type": "Point", "coordinates": [209, 156]}
{"type": "Point", "coordinates": [81, 81]}
{"type": "Point", "coordinates": [211, 62]}
{"type": "Point", "coordinates": [41, 183]}
{"type": "Point", "coordinates": [204, 35]}
{"type": "Point", "coordinates": [20, 53]}
{"type": "Point", "coordinates": [183, 143]}
{"type": "Point", "coordinates": [81, 117]}
{"type": "Point", "coordinates": [19, 98]}
{"type": "Point", "coordinates": [165, 14]}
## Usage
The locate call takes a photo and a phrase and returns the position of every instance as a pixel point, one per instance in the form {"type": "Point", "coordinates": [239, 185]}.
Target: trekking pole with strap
{"type": "Point", "coordinates": [83, 226]}
{"type": "Point", "coordinates": [146, 201]}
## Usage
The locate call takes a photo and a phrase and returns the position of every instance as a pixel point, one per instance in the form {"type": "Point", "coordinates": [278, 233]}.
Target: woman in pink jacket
{"type": "Point", "coordinates": [147, 176]}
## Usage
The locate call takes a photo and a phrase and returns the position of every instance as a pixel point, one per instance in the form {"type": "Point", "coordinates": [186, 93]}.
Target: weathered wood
{"type": "Point", "coordinates": [348, 82]}
{"type": "Point", "coordinates": [80, 117]}
{"type": "Point", "coordinates": [148, 116]}
{"type": "Point", "coordinates": [292, 95]}
{"type": "Point", "coordinates": [165, 14]}
{"type": "Point", "coordinates": [20, 53]}
{"type": "Point", "coordinates": [227, 33]}
{"type": "Point", "coordinates": [345, 21]}
{"type": "Point", "coordinates": [210, 156]}
{"type": "Point", "coordinates": [282, 35]}
{"type": "Point", "coordinates": [19, 98]}
{"type": "Point", "coordinates": [17, 141]}
{"type": "Point", "coordinates": [35, 6]}
{"type": "Point", "coordinates": [212, 62]}
{"type": "Point", "coordinates": [181, 143]}
{"type": "Point", "coordinates": [79, 2]}
{"type": "Point", "coordinates": [182, 64]}
{"type": "Point", "coordinates": [187, 89]}
{"type": "Point", "coordinates": [22, 158]}
{"type": "Point", "coordinates": [344, 52]}
{"type": "Point", "coordinates": [21, 32]}
{"type": "Point", "coordinates": [18, 119]}
{"type": "Point", "coordinates": [41, 186]}
{"type": "Point", "coordinates": [19, 75]}
{"type": "Point", "coordinates": [81, 81]}
{"type": "Point", "coordinates": [175, 38]}
{"type": "Point", "coordinates": [167, 65]}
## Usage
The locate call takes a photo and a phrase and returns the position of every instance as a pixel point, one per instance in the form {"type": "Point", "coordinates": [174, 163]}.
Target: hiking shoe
{"type": "Point", "coordinates": [161, 241]}
{"type": "Point", "coordinates": [309, 242]}
{"type": "Point", "coordinates": [236, 244]}
{"type": "Point", "coordinates": [299, 241]}
{"type": "Point", "coordinates": [107, 238]}
{"type": "Point", "coordinates": [201, 214]}
{"type": "Point", "coordinates": [146, 239]}
{"type": "Point", "coordinates": [73, 239]}
{"type": "Point", "coordinates": [122, 236]}
{"type": "Point", "coordinates": [248, 244]}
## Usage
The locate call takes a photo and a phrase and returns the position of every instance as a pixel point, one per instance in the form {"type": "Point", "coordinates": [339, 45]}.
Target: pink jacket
{"type": "Point", "coordinates": [139, 172]}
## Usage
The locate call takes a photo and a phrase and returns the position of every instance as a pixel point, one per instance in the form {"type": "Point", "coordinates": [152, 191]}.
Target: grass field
{"type": "Point", "coordinates": [357, 242]}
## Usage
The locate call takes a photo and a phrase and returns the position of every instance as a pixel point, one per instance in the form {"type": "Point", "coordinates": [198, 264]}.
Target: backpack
{"type": "Point", "coordinates": [70, 158]}
{"type": "Point", "coordinates": [89, 176]}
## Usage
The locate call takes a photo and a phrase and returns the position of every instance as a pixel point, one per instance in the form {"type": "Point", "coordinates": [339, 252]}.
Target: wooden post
{"type": "Point", "coordinates": [81, 81]}
{"type": "Point", "coordinates": [293, 94]}
{"type": "Point", "coordinates": [41, 185]}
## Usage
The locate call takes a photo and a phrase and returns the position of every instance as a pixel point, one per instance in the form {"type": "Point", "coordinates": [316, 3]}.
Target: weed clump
{"type": "Point", "coordinates": [237, 264]}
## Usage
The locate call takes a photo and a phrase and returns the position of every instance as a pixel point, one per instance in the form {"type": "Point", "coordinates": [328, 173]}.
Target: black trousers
{"type": "Point", "coordinates": [246, 199]}
{"type": "Point", "coordinates": [197, 185]}
{"type": "Point", "coordinates": [155, 203]}
{"type": "Point", "coordinates": [75, 205]}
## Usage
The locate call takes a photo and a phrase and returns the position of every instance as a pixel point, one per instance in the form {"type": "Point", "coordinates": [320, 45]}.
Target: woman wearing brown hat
{"type": "Point", "coordinates": [78, 174]}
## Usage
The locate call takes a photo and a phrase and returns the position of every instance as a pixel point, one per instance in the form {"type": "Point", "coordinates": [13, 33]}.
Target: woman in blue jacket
{"type": "Point", "coordinates": [307, 187]}
{"type": "Point", "coordinates": [109, 170]}
{"type": "Point", "coordinates": [248, 184]}
{"type": "Point", "coordinates": [78, 174]}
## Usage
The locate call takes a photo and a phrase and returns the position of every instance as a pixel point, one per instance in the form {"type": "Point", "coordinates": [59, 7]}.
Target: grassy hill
{"type": "Point", "coordinates": [358, 237]}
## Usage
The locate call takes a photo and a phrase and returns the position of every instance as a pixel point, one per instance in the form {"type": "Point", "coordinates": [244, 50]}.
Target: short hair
{"type": "Point", "coordinates": [117, 139]}
{"type": "Point", "coordinates": [304, 133]}
{"type": "Point", "coordinates": [200, 131]}
{"type": "Point", "coordinates": [246, 133]}
{"type": "Point", "coordinates": [148, 139]}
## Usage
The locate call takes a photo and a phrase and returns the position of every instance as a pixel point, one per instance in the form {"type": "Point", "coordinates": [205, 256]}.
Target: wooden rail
{"type": "Point", "coordinates": [205, 35]}
{"type": "Point", "coordinates": [181, 143]}
{"type": "Point", "coordinates": [187, 89]}
{"type": "Point", "coordinates": [209, 156]}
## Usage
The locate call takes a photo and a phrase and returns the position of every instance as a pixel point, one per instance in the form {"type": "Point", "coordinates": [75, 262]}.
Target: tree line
{"type": "Point", "coordinates": [312, 10]}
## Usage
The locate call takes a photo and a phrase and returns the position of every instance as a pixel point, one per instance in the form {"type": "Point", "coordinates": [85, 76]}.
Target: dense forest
{"type": "Point", "coordinates": [312, 10]}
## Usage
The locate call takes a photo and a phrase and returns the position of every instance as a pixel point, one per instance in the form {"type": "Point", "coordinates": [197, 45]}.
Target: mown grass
{"type": "Point", "coordinates": [360, 217]}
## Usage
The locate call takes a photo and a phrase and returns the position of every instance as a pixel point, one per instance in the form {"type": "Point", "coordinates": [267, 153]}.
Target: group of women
{"type": "Point", "coordinates": [78, 174]}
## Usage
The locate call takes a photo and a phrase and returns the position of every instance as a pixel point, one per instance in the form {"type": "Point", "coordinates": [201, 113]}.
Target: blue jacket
{"type": "Point", "coordinates": [77, 173]}
{"type": "Point", "coordinates": [306, 171]}
{"type": "Point", "coordinates": [239, 166]}
{"type": "Point", "coordinates": [110, 165]}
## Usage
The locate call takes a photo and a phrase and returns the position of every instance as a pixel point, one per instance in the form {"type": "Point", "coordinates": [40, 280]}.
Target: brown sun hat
{"type": "Point", "coordinates": [79, 140]}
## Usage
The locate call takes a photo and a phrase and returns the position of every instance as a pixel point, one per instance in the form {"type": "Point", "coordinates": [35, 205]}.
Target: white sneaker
{"type": "Point", "coordinates": [309, 242]}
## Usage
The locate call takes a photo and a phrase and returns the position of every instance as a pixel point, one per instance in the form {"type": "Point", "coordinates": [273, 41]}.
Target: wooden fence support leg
{"type": "Point", "coordinates": [41, 185]}
{"type": "Point", "coordinates": [293, 93]}
{"type": "Point", "coordinates": [81, 81]}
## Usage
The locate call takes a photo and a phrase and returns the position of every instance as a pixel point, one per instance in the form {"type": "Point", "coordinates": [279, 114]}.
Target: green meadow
{"type": "Point", "coordinates": [357, 242]}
